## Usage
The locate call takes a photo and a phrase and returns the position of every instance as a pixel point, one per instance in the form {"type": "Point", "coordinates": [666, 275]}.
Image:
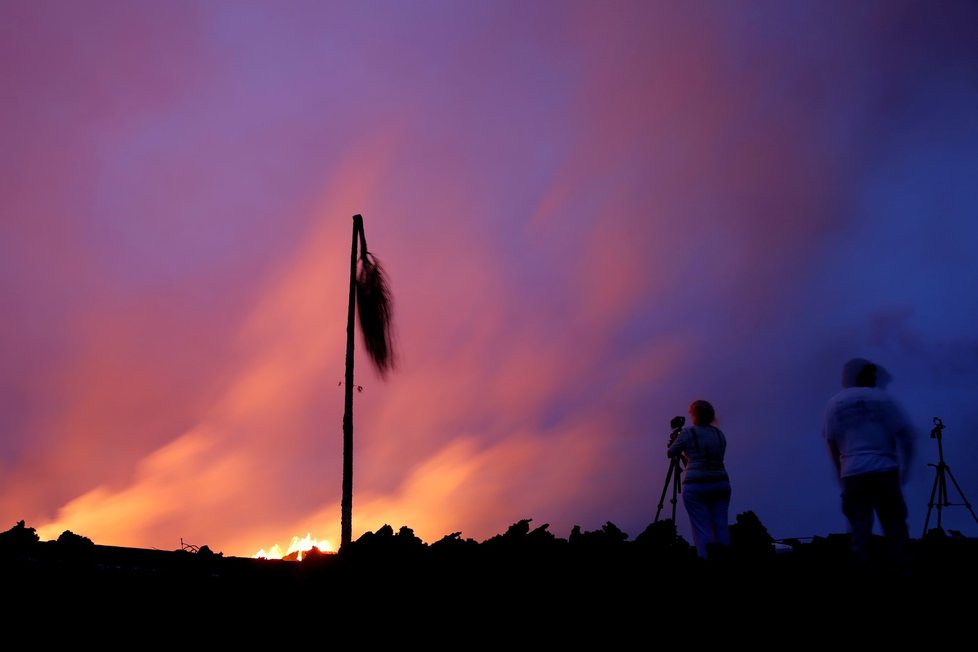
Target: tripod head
{"type": "Point", "coordinates": [938, 428]}
{"type": "Point", "coordinates": [676, 424]}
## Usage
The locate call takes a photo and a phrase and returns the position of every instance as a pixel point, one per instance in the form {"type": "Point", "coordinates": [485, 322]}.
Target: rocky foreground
{"type": "Point", "coordinates": [525, 583]}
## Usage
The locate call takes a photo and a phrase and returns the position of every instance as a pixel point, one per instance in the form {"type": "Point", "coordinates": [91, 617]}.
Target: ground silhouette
{"type": "Point", "coordinates": [599, 583]}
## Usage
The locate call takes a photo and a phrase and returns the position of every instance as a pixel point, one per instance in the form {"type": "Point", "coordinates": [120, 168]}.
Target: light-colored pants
{"type": "Point", "coordinates": [708, 506]}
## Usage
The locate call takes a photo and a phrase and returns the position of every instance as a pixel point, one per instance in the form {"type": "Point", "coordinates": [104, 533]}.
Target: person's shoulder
{"type": "Point", "coordinates": [878, 394]}
{"type": "Point", "coordinates": [858, 394]}
{"type": "Point", "coordinates": [839, 397]}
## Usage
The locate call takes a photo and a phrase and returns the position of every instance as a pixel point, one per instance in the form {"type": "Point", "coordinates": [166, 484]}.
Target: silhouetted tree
{"type": "Point", "coordinates": [74, 543]}
{"type": "Point", "coordinates": [662, 536]}
{"type": "Point", "coordinates": [608, 535]}
{"type": "Point", "coordinates": [749, 538]}
{"type": "Point", "coordinates": [18, 537]}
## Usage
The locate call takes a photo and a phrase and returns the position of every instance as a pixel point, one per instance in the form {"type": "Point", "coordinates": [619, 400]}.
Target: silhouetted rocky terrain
{"type": "Point", "coordinates": [590, 582]}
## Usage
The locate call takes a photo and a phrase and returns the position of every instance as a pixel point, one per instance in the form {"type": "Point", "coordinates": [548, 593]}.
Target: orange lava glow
{"type": "Point", "coordinates": [297, 546]}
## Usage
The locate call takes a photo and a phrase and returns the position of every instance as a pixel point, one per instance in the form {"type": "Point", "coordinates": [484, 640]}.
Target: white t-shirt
{"type": "Point", "coordinates": [871, 431]}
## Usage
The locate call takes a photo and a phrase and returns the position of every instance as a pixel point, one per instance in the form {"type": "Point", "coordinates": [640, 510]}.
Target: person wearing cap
{"type": "Point", "coordinates": [871, 444]}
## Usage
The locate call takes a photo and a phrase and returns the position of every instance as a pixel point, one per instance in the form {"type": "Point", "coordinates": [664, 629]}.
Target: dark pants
{"type": "Point", "coordinates": [879, 494]}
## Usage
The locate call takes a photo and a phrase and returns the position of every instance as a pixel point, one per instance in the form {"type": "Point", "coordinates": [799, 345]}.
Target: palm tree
{"type": "Point", "coordinates": [370, 298]}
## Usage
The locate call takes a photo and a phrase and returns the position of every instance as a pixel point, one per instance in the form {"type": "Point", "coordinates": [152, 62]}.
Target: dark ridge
{"type": "Point", "coordinates": [520, 575]}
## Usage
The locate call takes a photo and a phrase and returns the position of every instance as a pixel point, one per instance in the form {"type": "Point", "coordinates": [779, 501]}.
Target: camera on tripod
{"type": "Point", "coordinates": [676, 424]}
{"type": "Point", "coordinates": [675, 468]}
{"type": "Point", "coordinates": [938, 493]}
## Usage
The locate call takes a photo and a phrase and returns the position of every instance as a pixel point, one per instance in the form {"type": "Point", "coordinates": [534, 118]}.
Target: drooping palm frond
{"type": "Point", "coordinates": [375, 310]}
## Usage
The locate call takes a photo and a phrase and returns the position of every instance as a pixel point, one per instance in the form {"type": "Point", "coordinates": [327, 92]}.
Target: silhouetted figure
{"type": "Point", "coordinates": [706, 486]}
{"type": "Point", "coordinates": [871, 443]}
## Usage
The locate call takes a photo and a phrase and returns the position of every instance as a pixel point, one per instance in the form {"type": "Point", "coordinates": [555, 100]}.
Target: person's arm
{"type": "Point", "coordinates": [678, 445]}
{"type": "Point", "coordinates": [834, 453]}
{"type": "Point", "coordinates": [906, 436]}
{"type": "Point", "coordinates": [906, 454]}
{"type": "Point", "coordinates": [836, 457]}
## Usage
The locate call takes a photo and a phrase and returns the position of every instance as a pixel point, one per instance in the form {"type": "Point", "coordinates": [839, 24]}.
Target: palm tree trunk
{"type": "Point", "coordinates": [346, 506]}
{"type": "Point", "coordinates": [371, 300]}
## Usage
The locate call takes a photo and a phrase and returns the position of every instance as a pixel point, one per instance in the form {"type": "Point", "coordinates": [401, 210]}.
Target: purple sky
{"type": "Point", "coordinates": [590, 213]}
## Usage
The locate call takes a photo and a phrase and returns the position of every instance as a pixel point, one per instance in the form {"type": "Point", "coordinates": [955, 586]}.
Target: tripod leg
{"type": "Point", "coordinates": [665, 488]}
{"type": "Point", "coordinates": [961, 493]}
{"type": "Point", "coordinates": [930, 503]}
{"type": "Point", "coordinates": [676, 488]}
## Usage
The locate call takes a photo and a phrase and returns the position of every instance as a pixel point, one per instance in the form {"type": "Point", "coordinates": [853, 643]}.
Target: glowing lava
{"type": "Point", "coordinates": [296, 549]}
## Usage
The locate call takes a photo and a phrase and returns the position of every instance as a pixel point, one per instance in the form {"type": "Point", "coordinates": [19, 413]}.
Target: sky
{"type": "Point", "coordinates": [590, 214]}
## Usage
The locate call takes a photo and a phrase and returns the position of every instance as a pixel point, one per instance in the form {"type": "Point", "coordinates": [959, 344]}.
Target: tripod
{"type": "Point", "coordinates": [940, 481]}
{"type": "Point", "coordinates": [675, 468]}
